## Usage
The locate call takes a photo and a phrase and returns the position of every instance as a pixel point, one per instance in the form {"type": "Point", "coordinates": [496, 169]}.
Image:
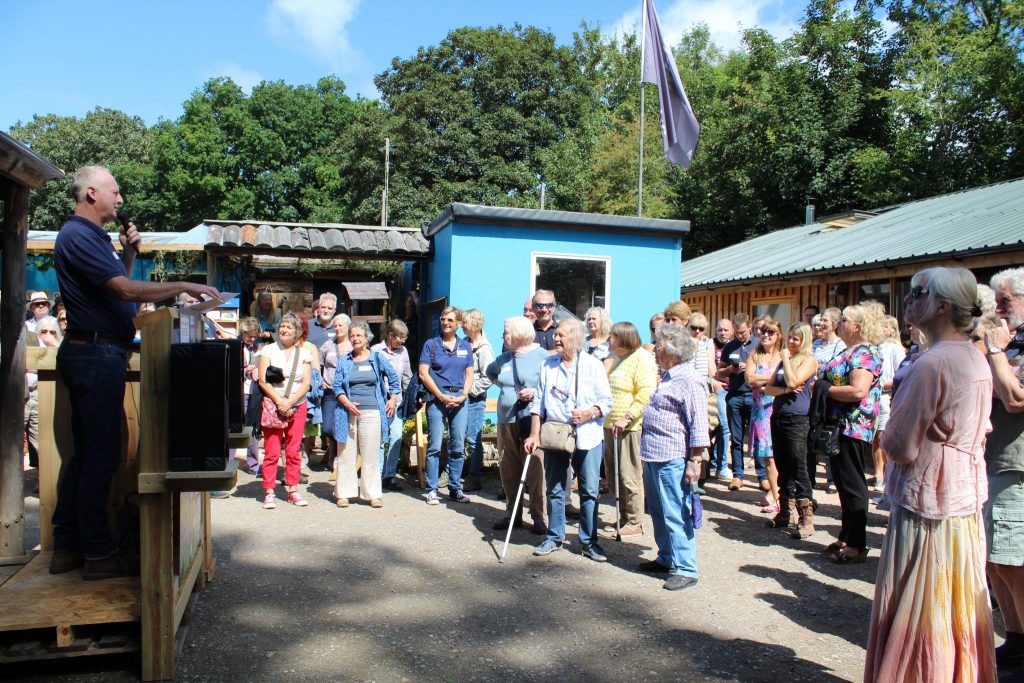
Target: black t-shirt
{"type": "Point", "coordinates": [737, 352]}
{"type": "Point", "coordinates": [546, 338]}
{"type": "Point", "coordinates": [85, 259]}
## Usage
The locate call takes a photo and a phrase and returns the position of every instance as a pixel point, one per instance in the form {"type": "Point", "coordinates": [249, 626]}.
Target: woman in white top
{"type": "Point", "coordinates": [288, 399]}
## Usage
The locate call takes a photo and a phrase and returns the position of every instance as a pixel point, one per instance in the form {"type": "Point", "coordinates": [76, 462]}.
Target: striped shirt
{"type": "Point", "coordinates": [676, 418]}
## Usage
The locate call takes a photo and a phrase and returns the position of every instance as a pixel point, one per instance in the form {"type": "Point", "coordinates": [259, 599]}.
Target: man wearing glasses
{"type": "Point", "coordinates": [544, 325]}
{"type": "Point", "coordinates": [39, 306]}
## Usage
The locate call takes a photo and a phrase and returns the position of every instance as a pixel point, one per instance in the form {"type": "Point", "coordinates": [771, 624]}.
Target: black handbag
{"type": "Point", "coordinates": [524, 419]}
{"type": "Point", "coordinates": [275, 375]}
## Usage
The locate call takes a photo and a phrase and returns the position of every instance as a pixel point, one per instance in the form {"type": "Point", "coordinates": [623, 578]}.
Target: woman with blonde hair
{"type": "Point", "coordinates": [761, 368]}
{"type": "Point", "coordinates": [892, 355]}
{"type": "Point", "coordinates": [264, 311]}
{"type": "Point", "coordinates": [854, 393]}
{"type": "Point", "coordinates": [483, 355]}
{"type": "Point", "coordinates": [790, 388]}
{"type": "Point", "coordinates": [599, 325]}
{"type": "Point", "coordinates": [931, 618]}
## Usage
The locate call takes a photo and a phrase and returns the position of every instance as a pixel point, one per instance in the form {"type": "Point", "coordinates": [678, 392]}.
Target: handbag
{"type": "Point", "coordinates": [524, 419]}
{"type": "Point", "coordinates": [560, 436]}
{"type": "Point", "coordinates": [271, 417]}
{"type": "Point", "coordinates": [275, 375]}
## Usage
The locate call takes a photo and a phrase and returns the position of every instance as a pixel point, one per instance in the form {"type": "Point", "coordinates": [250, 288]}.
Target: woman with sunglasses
{"type": "Point", "coordinates": [931, 619]}
{"type": "Point", "coordinates": [853, 398]}
{"type": "Point", "coordinates": [761, 369]}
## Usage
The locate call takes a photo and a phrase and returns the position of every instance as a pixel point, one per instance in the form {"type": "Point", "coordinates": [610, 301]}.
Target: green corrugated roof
{"type": "Point", "coordinates": [989, 218]}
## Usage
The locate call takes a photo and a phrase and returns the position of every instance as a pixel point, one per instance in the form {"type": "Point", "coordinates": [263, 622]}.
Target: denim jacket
{"type": "Point", "coordinates": [387, 383]}
{"type": "Point", "coordinates": [314, 396]}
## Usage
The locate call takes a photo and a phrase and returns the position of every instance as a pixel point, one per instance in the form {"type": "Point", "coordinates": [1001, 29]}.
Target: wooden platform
{"type": "Point", "coordinates": [54, 615]}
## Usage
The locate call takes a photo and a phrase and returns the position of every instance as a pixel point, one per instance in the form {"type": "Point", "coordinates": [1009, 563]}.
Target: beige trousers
{"type": "Point", "coordinates": [510, 464]}
{"type": "Point", "coordinates": [631, 478]}
{"type": "Point", "coordinates": [364, 441]}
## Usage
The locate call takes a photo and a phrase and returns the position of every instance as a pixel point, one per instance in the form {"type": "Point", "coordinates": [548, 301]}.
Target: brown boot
{"type": "Point", "coordinates": [784, 517]}
{"type": "Point", "coordinates": [805, 525]}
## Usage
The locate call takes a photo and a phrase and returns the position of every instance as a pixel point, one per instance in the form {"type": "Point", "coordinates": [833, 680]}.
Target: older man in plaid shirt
{"type": "Point", "coordinates": [675, 434]}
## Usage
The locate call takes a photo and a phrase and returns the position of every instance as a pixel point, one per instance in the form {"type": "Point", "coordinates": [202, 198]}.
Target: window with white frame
{"type": "Point", "coordinates": [579, 282]}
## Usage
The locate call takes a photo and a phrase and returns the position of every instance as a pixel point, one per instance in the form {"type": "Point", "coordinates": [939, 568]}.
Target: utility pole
{"type": "Point", "coordinates": [543, 188]}
{"type": "Point", "coordinates": [387, 177]}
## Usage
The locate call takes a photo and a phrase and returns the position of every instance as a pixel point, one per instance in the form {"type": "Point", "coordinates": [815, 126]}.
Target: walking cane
{"type": "Point", "coordinates": [615, 468]}
{"type": "Point", "coordinates": [515, 509]}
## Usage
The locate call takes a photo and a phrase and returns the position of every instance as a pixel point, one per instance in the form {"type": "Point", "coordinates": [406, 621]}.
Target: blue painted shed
{"type": "Point", "coordinates": [493, 258]}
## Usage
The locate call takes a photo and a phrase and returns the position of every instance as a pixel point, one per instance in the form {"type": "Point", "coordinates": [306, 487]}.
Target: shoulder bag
{"type": "Point", "coordinates": [559, 436]}
{"type": "Point", "coordinates": [271, 418]}
{"type": "Point", "coordinates": [524, 419]}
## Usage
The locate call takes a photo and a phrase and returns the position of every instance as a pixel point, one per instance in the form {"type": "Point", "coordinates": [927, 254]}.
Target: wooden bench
{"type": "Point", "coordinates": [419, 438]}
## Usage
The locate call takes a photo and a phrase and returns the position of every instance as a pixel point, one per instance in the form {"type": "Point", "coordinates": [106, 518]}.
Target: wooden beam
{"type": "Point", "coordinates": [12, 369]}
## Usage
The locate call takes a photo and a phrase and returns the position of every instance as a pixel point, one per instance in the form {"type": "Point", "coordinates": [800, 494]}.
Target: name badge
{"type": "Point", "coordinates": [365, 368]}
{"type": "Point", "coordinates": [734, 356]}
{"type": "Point", "coordinates": [461, 352]}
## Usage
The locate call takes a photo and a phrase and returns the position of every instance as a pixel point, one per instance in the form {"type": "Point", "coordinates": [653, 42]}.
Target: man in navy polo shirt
{"type": "Point", "coordinates": [446, 371]}
{"type": "Point", "coordinates": [320, 328]}
{"type": "Point", "coordinates": [544, 325]}
{"type": "Point", "coordinates": [93, 362]}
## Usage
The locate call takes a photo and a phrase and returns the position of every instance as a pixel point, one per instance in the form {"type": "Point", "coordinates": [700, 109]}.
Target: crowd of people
{"type": "Point", "coordinates": [935, 427]}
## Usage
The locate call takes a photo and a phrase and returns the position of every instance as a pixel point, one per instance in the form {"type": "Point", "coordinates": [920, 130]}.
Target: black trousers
{"type": "Point", "coordinates": [848, 475]}
{"type": "Point", "coordinates": [789, 443]}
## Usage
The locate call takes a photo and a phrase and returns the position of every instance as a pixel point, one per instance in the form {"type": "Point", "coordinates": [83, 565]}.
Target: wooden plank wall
{"type": "Point", "coordinates": [727, 302]}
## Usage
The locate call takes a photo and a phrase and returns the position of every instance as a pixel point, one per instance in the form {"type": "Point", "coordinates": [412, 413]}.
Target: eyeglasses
{"type": "Point", "coordinates": [53, 332]}
{"type": "Point", "coordinates": [549, 305]}
{"type": "Point", "coordinates": [917, 291]}
{"type": "Point", "coordinates": [449, 320]}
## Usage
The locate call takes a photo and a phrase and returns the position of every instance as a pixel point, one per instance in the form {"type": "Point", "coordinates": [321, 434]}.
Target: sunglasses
{"type": "Point", "coordinates": [40, 303]}
{"type": "Point", "coordinates": [449, 320]}
{"type": "Point", "coordinates": [696, 328]}
{"type": "Point", "coordinates": [53, 332]}
{"type": "Point", "coordinates": [536, 306]}
{"type": "Point", "coordinates": [917, 291]}
{"type": "Point", "coordinates": [768, 331]}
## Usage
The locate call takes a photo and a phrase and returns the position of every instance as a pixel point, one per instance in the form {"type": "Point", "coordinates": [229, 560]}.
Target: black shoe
{"type": "Point", "coordinates": [677, 582]}
{"type": "Point", "coordinates": [65, 560]}
{"type": "Point", "coordinates": [652, 567]}
{"type": "Point", "coordinates": [501, 495]}
{"type": "Point", "coordinates": [503, 523]}
{"type": "Point", "coordinates": [472, 484]}
{"type": "Point", "coordinates": [303, 478]}
{"type": "Point", "coordinates": [391, 484]}
{"type": "Point", "coordinates": [121, 564]}
{"type": "Point", "coordinates": [539, 528]}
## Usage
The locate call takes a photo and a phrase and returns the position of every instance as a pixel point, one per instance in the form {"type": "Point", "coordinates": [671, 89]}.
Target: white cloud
{"type": "Point", "coordinates": [246, 79]}
{"type": "Point", "coordinates": [318, 26]}
{"type": "Point", "coordinates": [726, 19]}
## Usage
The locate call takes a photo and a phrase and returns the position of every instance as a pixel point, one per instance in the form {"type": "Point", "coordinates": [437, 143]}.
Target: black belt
{"type": "Point", "coordinates": [95, 338]}
{"type": "Point", "coordinates": [458, 389]}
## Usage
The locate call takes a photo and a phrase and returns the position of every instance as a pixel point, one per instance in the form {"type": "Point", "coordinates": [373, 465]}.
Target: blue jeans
{"type": "Point", "coordinates": [721, 453]}
{"type": "Point", "coordinates": [556, 470]}
{"type": "Point", "coordinates": [474, 434]}
{"type": "Point", "coordinates": [739, 407]}
{"type": "Point", "coordinates": [95, 375]}
{"type": "Point", "coordinates": [437, 417]}
{"type": "Point", "coordinates": [391, 449]}
{"type": "Point", "coordinates": [669, 501]}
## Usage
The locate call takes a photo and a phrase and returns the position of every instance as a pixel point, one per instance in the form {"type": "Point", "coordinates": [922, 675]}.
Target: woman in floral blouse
{"type": "Point", "coordinates": [853, 401]}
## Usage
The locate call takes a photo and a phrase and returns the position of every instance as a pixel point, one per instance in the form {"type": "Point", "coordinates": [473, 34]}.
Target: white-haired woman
{"type": "Point", "coordinates": [331, 352]}
{"type": "Point", "coordinates": [483, 355]}
{"type": "Point", "coordinates": [367, 389]}
{"type": "Point", "coordinates": [516, 373]}
{"type": "Point", "coordinates": [853, 402]}
{"type": "Point", "coordinates": [893, 354]}
{"type": "Point", "coordinates": [49, 334]}
{"type": "Point", "coordinates": [931, 619]}
{"type": "Point", "coordinates": [599, 325]}
{"type": "Point", "coordinates": [573, 390]}
{"type": "Point", "coordinates": [674, 438]}
{"type": "Point", "coordinates": [288, 399]}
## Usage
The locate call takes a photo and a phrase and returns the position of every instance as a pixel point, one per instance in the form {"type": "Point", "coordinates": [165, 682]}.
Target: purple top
{"type": "Point", "coordinates": [676, 417]}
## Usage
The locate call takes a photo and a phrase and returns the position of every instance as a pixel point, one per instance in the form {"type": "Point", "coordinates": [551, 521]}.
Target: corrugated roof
{"type": "Point", "coordinates": [21, 164]}
{"type": "Point", "coordinates": [989, 218]}
{"type": "Point", "coordinates": [327, 239]}
{"type": "Point", "coordinates": [546, 218]}
{"type": "Point", "coordinates": [366, 291]}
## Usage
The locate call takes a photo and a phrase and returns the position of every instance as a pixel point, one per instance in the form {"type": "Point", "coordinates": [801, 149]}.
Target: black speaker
{"type": "Point", "coordinates": [236, 403]}
{"type": "Point", "coordinates": [198, 410]}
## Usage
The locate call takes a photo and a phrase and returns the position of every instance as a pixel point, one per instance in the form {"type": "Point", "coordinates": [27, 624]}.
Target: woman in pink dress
{"type": "Point", "coordinates": [765, 361]}
{"type": "Point", "coordinates": [931, 619]}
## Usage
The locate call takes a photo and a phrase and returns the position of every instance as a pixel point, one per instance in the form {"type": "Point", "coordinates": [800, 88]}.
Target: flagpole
{"type": "Point", "coordinates": [640, 175]}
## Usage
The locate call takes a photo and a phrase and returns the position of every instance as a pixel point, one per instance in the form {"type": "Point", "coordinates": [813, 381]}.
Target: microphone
{"type": "Point", "coordinates": [122, 218]}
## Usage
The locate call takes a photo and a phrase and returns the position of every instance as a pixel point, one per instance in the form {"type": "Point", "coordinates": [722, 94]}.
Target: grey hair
{"type": "Point", "coordinates": [49, 323]}
{"type": "Point", "coordinates": [676, 341]}
{"type": "Point", "coordinates": [521, 329]}
{"type": "Point", "coordinates": [1015, 276]}
{"type": "Point", "coordinates": [292, 320]}
{"type": "Point", "coordinates": [603, 316]}
{"type": "Point", "coordinates": [329, 297]}
{"type": "Point", "coordinates": [986, 298]}
{"type": "Point", "coordinates": [575, 330]}
{"type": "Point", "coordinates": [86, 177]}
{"type": "Point", "coordinates": [361, 325]}
{"type": "Point", "coordinates": [544, 291]}
{"type": "Point", "coordinates": [398, 327]}
{"type": "Point", "coordinates": [956, 286]}
{"type": "Point", "coordinates": [343, 318]}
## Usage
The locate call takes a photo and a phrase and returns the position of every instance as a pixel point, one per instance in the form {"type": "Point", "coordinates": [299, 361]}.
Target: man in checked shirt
{"type": "Point", "coordinates": [674, 436]}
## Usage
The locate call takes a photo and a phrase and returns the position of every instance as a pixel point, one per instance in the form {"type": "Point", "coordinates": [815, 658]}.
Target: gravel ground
{"type": "Point", "coordinates": [412, 592]}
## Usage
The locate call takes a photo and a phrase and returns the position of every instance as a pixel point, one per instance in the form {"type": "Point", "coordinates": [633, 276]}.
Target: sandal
{"type": "Point", "coordinates": [835, 546]}
{"type": "Point", "coordinates": [840, 557]}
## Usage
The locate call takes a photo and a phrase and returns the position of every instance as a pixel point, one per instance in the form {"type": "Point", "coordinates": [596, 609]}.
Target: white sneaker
{"type": "Point", "coordinates": [269, 501]}
{"type": "Point", "coordinates": [725, 475]}
{"type": "Point", "coordinates": [432, 498]}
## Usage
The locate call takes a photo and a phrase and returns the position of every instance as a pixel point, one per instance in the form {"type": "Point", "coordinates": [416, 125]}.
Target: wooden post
{"type": "Point", "coordinates": [12, 371]}
{"type": "Point", "coordinates": [211, 269]}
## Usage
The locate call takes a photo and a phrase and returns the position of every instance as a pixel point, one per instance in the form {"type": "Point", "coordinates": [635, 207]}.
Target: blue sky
{"type": "Point", "coordinates": [147, 57]}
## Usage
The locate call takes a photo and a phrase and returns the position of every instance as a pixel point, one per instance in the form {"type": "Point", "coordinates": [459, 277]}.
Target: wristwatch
{"type": "Point", "coordinates": [993, 350]}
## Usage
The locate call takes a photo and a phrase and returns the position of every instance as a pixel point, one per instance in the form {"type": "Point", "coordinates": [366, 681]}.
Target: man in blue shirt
{"type": "Point", "coordinates": [93, 362]}
{"type": "Point", "coordinates": [320, 328]}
